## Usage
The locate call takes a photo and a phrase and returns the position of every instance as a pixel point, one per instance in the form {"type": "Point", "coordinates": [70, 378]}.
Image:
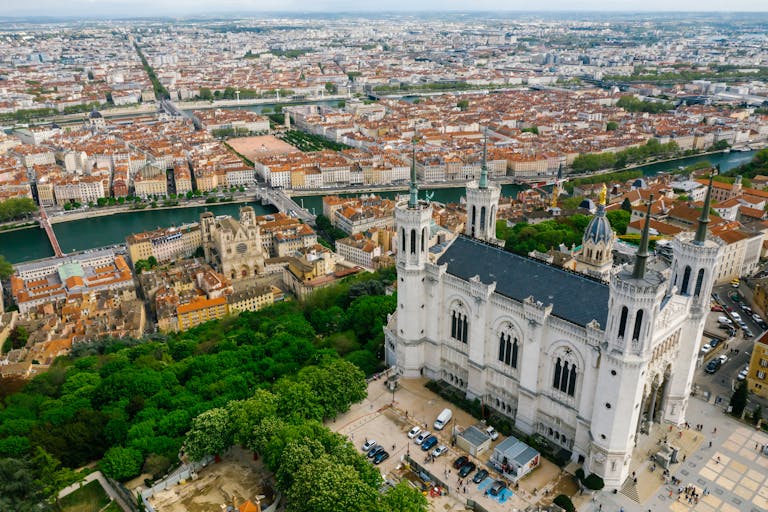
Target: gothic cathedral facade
{"type": "Point", "coordinates": [586, 361]}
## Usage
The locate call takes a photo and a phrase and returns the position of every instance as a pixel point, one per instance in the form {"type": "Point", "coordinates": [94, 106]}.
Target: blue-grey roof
{"type": "Point", "coordinates": [515, 450]}
{"type": "Point", "coordinates": [575, 298]}
{"type": "Point", "coordinates": [599, 227]}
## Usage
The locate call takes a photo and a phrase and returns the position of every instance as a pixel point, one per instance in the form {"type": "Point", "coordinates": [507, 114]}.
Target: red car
{"type": "Point", "coordinates": [717, 308]}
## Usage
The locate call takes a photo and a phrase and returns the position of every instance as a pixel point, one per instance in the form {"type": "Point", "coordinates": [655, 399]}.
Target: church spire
{"type": "Point", "coordinates": [483, 166]}
{"type": "Point", "coordinates": [413, 200]}
{"type": "Point", "coordinates": [701, 229]}
{"type": "Point", "coordinates": [641, 258]}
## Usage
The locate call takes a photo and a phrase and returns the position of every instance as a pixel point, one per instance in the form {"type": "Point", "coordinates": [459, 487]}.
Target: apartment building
{"type": "Point", "coordinates": [757, 378]}
{"type": "Point", "coordinates": [80, 189]}
{"type": "Point", "coordinates": [201, 310]}
{"type": "Point", "coordinates": [165, 244]}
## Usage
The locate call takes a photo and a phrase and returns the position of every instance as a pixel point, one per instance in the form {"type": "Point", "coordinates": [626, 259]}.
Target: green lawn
{"type": "Point", "coordinates": [90, 498]}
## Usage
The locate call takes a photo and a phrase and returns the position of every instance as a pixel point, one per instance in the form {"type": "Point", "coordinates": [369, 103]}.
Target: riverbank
{"type": "Point", "coordinates": [204, 105]}
{"type": "Point", "coordinates": [112, 210]}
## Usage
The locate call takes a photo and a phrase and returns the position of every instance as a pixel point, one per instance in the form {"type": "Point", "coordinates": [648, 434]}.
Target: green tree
{"type": "Point", "coordinates": [6, 268]}
{"type": "Point", "coordinates": [619, 220]}
{"type": "Point", "coordinates": [322, 485]}
{"type": "Point", "coordinates": [403, 498]}
{"type": "Point", "coordinates": [757, 414]}
{"type": "Point", "coordinates": [244, 415]}
{"type": "Point", "coordinates": [18, 491]}
{"type": "Point", "coordinates": [611, 126]}
{"type": "Point", "coordinates": [739, 399]}
{"type": "Point", "coordinates": [121, 463]}
{"type": "Point", "coordinates": [463, 105]}
{"type": "Point", "coordinates": [211, 433]}
{"type": "Point", "coordinates": [205, 94]}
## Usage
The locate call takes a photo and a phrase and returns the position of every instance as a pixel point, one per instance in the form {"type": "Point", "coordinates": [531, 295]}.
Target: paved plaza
{"type": "Point", "coordinates": [729, 476]}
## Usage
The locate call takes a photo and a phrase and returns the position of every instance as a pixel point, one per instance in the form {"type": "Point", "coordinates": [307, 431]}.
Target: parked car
{"type": "Point", "coordinates": [422, 436]}
{"type": "Point", "coordinates": [492, 433]}
{"type": "Point", "coordinates": [466, 469]}
{"type": "Point", "coordinates": [706, 348]}
{"type": "Point", "coordinates": [743, 373]}
{"type": "Point", "coordinates": [713, 366]}
{"type": "Point", "coordinates": [460, 461]}
{"type": "Point", "coordinates": [369, 443]}
{"type": "Point", "coordinates": [716, 307]}
{"type": "Point", "coordinates": [439, 450]}
{"type": "Point", "coordinates": [497, 487]}
{"type": "Point", "coordinates": [763, 324]}
{"type": "Point", "coordinates": [724, 320]}
{"type": "Point", "coordinates": [429, 443]}
{"type": "Point", "coordinates": [736, 316]}
{"type": "Point", "coordinates": [723, 358]}
{"type": "Point", "coordinates": [743, 324]}
{"type": "Point", "coordinates": [757, 318]}
{"type": "Point", "coordinates": [375, 451]}
{"type": "Point", "coordinates": [714, 342]}
{"type": "Point", "coordinates": [381, 457]}
{"type": "Point", "coordinates": [414, 432]}
{"type": "Point", "coordinates": [480, 476]}
{"type": "Point", "coordinates": [748, 332]}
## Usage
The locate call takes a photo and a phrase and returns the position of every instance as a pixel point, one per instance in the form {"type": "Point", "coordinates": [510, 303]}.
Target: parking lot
{"type": "Point", "coordinates": [379, 418]}
{"type": "Point", "coordinates": [737, 349]}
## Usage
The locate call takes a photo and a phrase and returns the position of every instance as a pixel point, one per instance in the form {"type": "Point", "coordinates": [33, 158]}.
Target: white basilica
{"type": "Point", "coordinates": [581, 360]}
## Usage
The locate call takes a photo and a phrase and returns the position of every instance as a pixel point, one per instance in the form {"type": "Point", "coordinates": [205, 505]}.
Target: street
{"type": "Point", "coordinates": [722, 383]}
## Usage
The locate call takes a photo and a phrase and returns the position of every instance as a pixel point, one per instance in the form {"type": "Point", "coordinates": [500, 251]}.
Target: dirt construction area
{"type": "Point", "coordinates": [387, 422]}
{"type": "Point", "coordinates": [236, 479]}
{"type": "Point", "coordinates": [253, 148]}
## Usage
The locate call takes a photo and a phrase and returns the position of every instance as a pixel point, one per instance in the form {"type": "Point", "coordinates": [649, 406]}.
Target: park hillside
{"type": "Point", "coordinates": [265, 381]}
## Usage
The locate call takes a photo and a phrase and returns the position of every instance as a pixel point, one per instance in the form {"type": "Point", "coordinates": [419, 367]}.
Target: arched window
{"type": "Point", "coordinates": [623, 321]}
{"type": "Point", "coordinates": [686, 279]}
{"type": "Point", "coordinates": [474, 216]}
{"type": "Point", "coordinates": [502, 346]}
{"type": "Point", "coordinates": [459, 325]}
{"type": "Point", "coordinates": [482, 218]}
{"type": "Point", "coordinates": [413, 241]}
{"type": "Point", "coordinates": [638, 324]}
{"type": "Point", "coordinates": [699, 282]}
{"type": "Point", "coordinates": [513, 364]}
{"type": "Point", "coordinates": [572, 381]}
{"type": "Point", "coordinates": [558, 372]}
{"type": "Point", "coordinates": [403, 237]}
{"type": "Point", "coordinates": [564, 379]}
{"type": "Point", "coordinates": [423, 238]}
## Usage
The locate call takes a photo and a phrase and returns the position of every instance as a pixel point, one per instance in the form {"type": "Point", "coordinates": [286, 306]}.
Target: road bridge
{"type": "Point", "coordinates": [285, 204]}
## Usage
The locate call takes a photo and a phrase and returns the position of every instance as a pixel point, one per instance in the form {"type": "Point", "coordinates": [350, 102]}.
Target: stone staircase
{"type": "Point", "coordinates": [629, 489]}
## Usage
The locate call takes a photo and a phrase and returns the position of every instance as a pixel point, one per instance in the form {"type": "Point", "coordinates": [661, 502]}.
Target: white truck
{"type": "Point", "coordinates": [443, 418]}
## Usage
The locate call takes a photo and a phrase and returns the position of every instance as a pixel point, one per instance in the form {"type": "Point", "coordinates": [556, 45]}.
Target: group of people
{"type": "Point", "coordinates": [690, 494]}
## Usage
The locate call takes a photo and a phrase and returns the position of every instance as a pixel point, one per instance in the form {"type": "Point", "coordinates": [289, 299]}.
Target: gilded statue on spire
{"type": "Point", "coordinates": [603, 195]}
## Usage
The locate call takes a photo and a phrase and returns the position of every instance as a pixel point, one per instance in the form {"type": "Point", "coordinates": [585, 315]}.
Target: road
{"type": "Point", "coordinates": [721, 383]}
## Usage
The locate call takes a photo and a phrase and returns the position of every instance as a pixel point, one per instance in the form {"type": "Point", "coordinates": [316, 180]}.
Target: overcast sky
{"type": "Point", "coordinates": [140, 8]}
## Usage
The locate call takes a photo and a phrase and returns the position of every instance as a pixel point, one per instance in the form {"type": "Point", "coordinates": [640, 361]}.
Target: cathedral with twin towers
{"type": "Point", "coordinates": [584, 359]}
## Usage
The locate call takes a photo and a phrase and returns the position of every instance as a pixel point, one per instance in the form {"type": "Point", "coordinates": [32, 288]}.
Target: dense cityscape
{"type": "Point", "coordinates": [236, 250]}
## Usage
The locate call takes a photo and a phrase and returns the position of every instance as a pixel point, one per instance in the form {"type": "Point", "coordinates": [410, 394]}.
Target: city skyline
{"type": "Point", "coordinates": [144, 8]}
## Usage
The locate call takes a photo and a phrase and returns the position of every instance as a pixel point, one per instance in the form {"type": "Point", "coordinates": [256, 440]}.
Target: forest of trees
{"type": "Point", "coordinates": [590, 162]}
{"type": "Point", "coordinates": [524, 238]}
{"type": "Point", "coordinates": [131, 403]}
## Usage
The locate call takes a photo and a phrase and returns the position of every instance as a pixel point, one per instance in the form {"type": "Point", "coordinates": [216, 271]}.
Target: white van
{"type": "Point", "coordinates": [443, 419]}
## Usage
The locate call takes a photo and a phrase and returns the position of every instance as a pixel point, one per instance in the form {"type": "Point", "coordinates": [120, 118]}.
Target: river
{"type": "Point", "coordinates": [30, 244]}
